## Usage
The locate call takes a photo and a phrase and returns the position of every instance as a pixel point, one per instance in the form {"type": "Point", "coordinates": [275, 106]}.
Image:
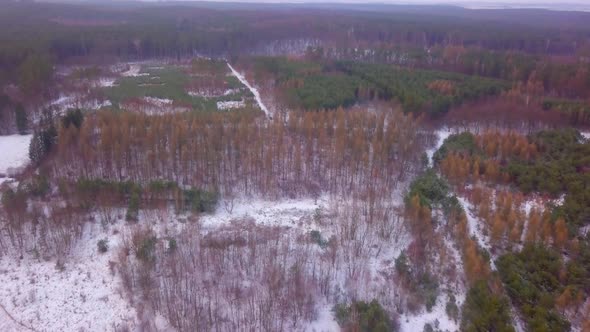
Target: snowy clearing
{"type": "Point", "coordinates": [85, 295]}
{"type": "Point", "coordinates": [134, 71]}
{"type": "Point", "coordinates": [211, 93]}
{"type": "Point", "coordinates": [288, 213]}
{"type": "Point", "coordinates": [64, 103]}
{"type": "Point", "coordinates": [14, 154]}
{"type": "Point", "coordinates": [105, 82]}
{"type": "Point", "coordinates": [158, 101]}
{"type": "Point", "coordinates": [228, 105]}
{"type": "Point", "coordinates": [252, 89]}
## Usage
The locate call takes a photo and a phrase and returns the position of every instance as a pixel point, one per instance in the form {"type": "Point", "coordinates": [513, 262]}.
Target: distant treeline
{"type": "Point", "coordinates": [58, 32]}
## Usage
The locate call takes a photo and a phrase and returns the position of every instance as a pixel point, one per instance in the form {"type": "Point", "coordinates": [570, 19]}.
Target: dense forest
{"type": "Point", "coordinates": [205, 166]}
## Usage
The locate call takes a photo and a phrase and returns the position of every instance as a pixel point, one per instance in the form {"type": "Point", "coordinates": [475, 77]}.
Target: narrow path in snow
{"type": "Point", "coordinates": [251, 88]}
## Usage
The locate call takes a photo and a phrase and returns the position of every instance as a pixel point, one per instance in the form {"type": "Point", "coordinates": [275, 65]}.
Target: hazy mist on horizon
{"type": "Point", "coordinates": [571, 5]}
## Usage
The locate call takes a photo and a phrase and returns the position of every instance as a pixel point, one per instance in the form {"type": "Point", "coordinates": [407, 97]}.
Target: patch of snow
{"type": "Point", "coordinates": [559, 201]}
{"type": "Point", "coordinates": [64, 103]}
{"type": "Point", "coordinates": [196, 94]}
{"type": "Point", "coordinates": [326, 322]}
{"type": "Point", "coordinates": [227, 105]}
{"type": "Point", "coordinates": [158, 101]}
{"type": "Point", "coordinates": [134, 71]}
{"type": "Point", "coordinates": [96, 104]}
{"type": "Point", "coordinates": [62, 100]}
{"type": "Point", "coordinates": [15, 154]}
{"type": "Point", "coordinates": [584, 230]}
{"type": "Point", "coordinates": [106, 82]}
{"type": "Point", "coordinates": [151, 84]}
{"type": "Point", "coordinates": [586, 135]}
{"type": "Point", "coordinates": [230, 91]}
{"type": "Point", "coordinates": [254, 91]}
{"type": "Point", "coordinates": [162, 324]}
{"type": "Point", "coordinates": [289, 213]}
{"type": "Point", "coordinates": [206, 93]}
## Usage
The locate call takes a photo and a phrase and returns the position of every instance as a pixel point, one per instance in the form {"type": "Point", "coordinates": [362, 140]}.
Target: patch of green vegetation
{"type": "Point", "coordinates": [325, 92]}
{"type": "Point", "coordinates": [88, 192]}
{"type": "Point", "coordinates": [39, 185]}
{"type": "Point", "coordinates": [283, 69]}
{"type": "Point", "coordinates": [201, 200]}
{"type": "Point", "coordinates": [73, 117]}
{"type": "Point", "coordinates": [328, 85]}
{"type": "Point", "coordinates": [561, 167]}
{"type": "Point", "coordinates": [208, 66]}
{"type": "Point", "coordinates": [421, 283]}
{"type": "Point", "coordinates": [86, 73]}
{"type": "Point", "coordinates": [430, 189]}
{"type": "Point", "coordinates": [93, 187]}
{"type": "Point", "coordinates": [21, 119]}
{"type": "Point", "coordinates": [484, 310]}
{"type": "Point", "coordinates": [531, 278]}
{"type": "Point", "coordinates": [132, 213]}
{"type": "Point", "coordinates": [42, 142]}
{"type": "Point", "coordinates": [172, 245]}
{"type": "Point", "coordinates": [565, 105]}
{"type": "Point", "coordinates": [103, 246]}
{"type": "Point", "coordinates": [410, 86]}
{"type": "Point", "coordinates": [362, 316]}
{"type": "Point", "coordinates": [317, 238]}
{"type": "Point", "coordinates": [161, 186]}
{"type": "Point", "coordinates": [170, 82]}
{"type": "Point", "coordinates": [451, 308]}
{"type": "Point", "coordinates": [460, 143]}
{"type": "Point", "coordinates": [234, 83]}
{"type": "Point", "coordinates": [146, 250]}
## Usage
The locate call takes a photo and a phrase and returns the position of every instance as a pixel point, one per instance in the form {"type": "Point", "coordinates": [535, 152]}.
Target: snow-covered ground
{"type": "Point", "coordinates": [251, 88]}
{"type": "Point", "coordinates": [158, 101]}
{"type": "Point", "coordinates": [14, 154]}
{"type": "Point", "coordinates": [211, 93]}
{"type": "Point", "coordinates": [105, 82]}
{"type": "Point", "coordinates": [325, 321]}
{"type": "Point", "coordinates": [67, 102]}
{"type": "Point", "coordinates": [85, 296]}
{"type": "Point", "coordinates": [228, 105]}
{"type": "Point", "coordinates": [288, 212]}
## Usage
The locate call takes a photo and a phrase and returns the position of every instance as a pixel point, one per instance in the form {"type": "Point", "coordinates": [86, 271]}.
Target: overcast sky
{"type": "Point", "coordinates": [552, 4]}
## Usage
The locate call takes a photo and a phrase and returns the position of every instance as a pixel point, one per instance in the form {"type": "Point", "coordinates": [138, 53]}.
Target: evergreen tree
{"type": "Point", "coordinates": [43, 140]}
{"type": "Point", "coordinates": [21, 119]}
